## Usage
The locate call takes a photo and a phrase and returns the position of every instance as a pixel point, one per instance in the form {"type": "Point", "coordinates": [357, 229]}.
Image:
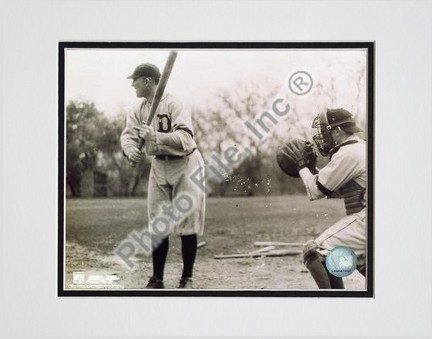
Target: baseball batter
{"type": "Point", "coordinates": [344, 176]}
{"type": "Point", "coordinates": [170, 140]}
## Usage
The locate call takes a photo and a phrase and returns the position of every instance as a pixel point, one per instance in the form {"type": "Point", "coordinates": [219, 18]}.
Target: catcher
{"type": "Point", "coordinates": [344, 176]}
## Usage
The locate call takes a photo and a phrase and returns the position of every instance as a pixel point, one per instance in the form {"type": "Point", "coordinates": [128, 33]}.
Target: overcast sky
{"type": "Point", "coordinates": [99, 75]}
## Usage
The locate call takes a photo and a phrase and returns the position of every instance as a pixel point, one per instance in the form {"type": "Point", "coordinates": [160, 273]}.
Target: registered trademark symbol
{"type": "Point", "coordinates": [300, 83]}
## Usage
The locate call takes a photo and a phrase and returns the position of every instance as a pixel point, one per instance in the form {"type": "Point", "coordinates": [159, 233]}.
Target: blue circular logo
{"type": "Point", "coordinates": [341, 261]}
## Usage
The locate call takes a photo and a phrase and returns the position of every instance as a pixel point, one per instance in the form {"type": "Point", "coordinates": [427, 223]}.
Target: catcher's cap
{"type": "Point", "coordinates": [145, 70]}
{"type": "Point", "coordinates": [342, 118]}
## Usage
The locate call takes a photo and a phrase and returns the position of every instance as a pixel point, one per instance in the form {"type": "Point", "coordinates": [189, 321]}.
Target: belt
{"type": "Point", "coordinates": [172, 157]}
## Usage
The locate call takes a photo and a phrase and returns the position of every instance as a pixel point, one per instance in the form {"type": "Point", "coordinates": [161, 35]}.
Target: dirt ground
{"type": "Point", "coordinates": [94, 228]}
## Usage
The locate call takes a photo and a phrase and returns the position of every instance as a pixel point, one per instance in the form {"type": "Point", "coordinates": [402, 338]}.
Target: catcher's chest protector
{"type": "Point", "coordinates": [354, 197]}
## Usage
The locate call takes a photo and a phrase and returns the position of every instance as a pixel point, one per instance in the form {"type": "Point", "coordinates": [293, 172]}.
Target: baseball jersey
{"type": "Point", "coordinates": [348, 163]}
{"type": "Point", "coordinates": [345, 174]}
{"type": "Point", "coordinates": [172, 124]}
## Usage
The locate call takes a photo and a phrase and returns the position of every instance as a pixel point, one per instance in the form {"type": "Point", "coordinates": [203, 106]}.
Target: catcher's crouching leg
{"type": "Point", "coordinates": [362, 269]}
{"type": "Point", "coordinates": [315, 263]}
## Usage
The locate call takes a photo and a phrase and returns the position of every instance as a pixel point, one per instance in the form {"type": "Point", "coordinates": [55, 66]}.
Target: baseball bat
{"type": "Point", "coordinates": [201, 244]}
{"type": "Point", "coordinates": [160, 90]}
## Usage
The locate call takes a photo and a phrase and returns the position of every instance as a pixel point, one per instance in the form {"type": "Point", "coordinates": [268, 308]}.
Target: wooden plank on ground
{"type": "Point", "coordinates": [273, 253]}
{"type": "Point", "coordinates": [277, 243]}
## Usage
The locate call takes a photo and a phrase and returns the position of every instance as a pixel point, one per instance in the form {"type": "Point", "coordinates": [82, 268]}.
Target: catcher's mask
{"type": "Point", "coordinates": [325, 121]}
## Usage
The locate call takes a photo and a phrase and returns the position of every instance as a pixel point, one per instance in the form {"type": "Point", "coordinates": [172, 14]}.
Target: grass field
{"type": "Point", "coordinates": [94, 228]}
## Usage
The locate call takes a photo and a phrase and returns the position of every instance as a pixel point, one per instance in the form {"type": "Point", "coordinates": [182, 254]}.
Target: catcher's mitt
{"type": "Point", "coordinates": [294, 154]}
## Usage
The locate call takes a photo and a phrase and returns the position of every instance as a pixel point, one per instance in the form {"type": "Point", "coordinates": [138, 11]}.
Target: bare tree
{"type": "Point", "coordinates": [223, 125]}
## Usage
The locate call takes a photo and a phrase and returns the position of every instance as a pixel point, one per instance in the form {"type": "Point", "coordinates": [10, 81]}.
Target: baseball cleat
{"type": "Point", "coordinates": [185, 283]}
{"type": "Point", "coordinates": [155, 283]}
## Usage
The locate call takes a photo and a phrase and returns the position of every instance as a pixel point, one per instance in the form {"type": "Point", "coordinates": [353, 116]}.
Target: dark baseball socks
{"type": "Point", "coordinates": [189, 250]}
{"type": "Point", "coordinates": [160, 253]}
{"type": "Point", "coordinates": [159, 257]}
{"type": "Point", "coordinates": [322, 277]}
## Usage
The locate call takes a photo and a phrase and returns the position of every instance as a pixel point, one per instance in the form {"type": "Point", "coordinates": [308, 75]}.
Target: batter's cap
{"type": "Point", "coordinates": [342, 118]}
{"type": "Point", "coordinates": [145, 70]}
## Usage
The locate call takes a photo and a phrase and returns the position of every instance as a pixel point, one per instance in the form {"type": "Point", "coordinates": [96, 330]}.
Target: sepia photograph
{"type": "Point", "coordinates": [216, 169]}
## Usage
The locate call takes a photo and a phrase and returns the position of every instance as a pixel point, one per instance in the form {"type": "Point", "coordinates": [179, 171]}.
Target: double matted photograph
{"type": "Point", "coordinates": [216, 169]}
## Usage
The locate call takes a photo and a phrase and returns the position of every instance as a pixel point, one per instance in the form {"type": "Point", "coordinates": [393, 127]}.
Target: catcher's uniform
{"type": "Point", "coordinates": [345, 176]}
{"type": "Point", "coordinates": [176, 157]}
